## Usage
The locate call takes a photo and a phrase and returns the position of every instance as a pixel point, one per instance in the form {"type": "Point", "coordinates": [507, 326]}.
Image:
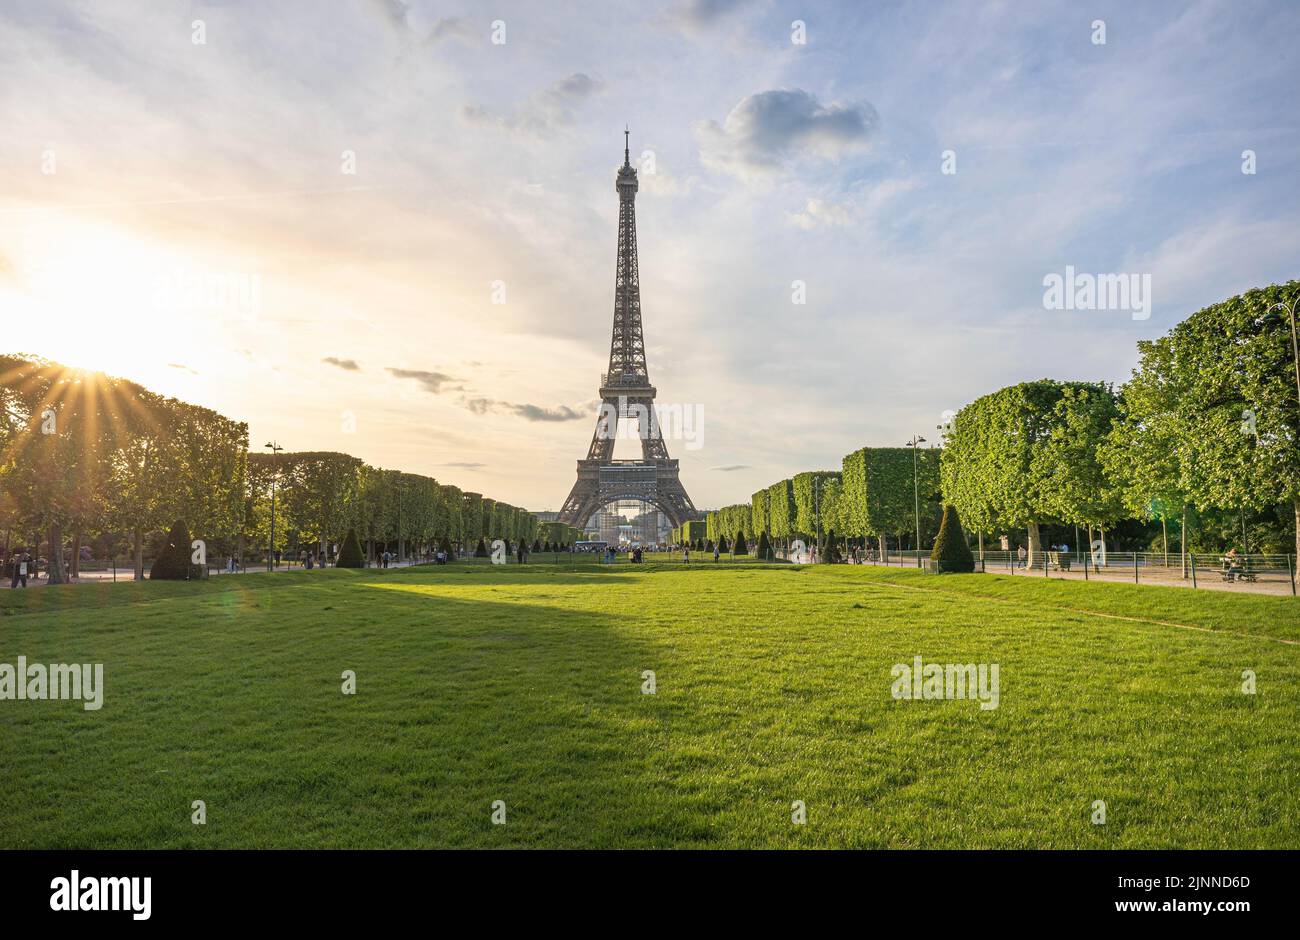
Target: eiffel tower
{"type": "Point", "coordinates": [626, 393]}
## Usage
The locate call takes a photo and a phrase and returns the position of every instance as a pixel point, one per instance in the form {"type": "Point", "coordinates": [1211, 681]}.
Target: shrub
{"type": "Point", "coordinates": [350, 552]}
{"type": "Point", "coordinates": [950, 552]}
{"type": "Point", "coordinates": [445, 547]}
{"type": "Point", "coordinates": [739, 546]}
{"type": "Point", "coordinates": [722, 543]}
{"type": "Point", "coordinates": [480, 550]}
{"type": "Point", "coordinates": [173, 561]}
{"type": "Point", "coordinates": [764, 546]}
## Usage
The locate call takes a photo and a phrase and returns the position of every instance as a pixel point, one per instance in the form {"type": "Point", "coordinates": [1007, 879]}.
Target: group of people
{"type": "Point", "coordinates": [20, 565]}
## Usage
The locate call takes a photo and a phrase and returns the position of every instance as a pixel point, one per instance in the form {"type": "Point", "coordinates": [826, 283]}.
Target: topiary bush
{"type": "Point", "coordinates": [950, 552]}
{"type": "Point", "coordinates": [740, 546]}
{"type": "Point", "coordinates": [445, 547]}
{"type": "Point", "coordinates": [173, 561]}
{"type": "Point", "coordinates": [764, 546]}
{"type": "Point", "coordinates": [480, 550]}
{"type": "Point", "coordinates": [350, 552]}
{"type": "Point", "coordinates": [722, 543]}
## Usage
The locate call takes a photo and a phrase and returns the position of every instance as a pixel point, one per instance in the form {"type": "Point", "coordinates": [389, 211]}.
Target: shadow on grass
{"type": "Point", "coordinates": [459, 703]}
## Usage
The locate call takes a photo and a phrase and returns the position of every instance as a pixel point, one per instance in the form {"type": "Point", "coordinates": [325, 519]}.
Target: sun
{"type": "Point", "coordinates": [101, 297]}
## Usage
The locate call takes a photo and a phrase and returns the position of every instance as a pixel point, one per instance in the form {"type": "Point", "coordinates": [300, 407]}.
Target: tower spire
{"type": "Point", "coordinates": [627, 158]}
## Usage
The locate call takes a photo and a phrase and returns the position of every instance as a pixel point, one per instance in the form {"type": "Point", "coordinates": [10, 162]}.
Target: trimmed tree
{"type": "Point", "coordinates": [480, 550]}
{"type": "Point", "coordinates": [173, 562]}
{"type": "Point", "coordinates": [764, 546]}
{"type": "Point", "coordinates": [950, 552]}
{"type": "Point", "coordinates": [740, 547]}
{"type": "Point", "coordinates": [350, 553]}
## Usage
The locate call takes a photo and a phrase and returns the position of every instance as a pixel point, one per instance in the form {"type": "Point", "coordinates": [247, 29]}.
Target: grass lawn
{"type": "Point", "coordinates": [524, 684]}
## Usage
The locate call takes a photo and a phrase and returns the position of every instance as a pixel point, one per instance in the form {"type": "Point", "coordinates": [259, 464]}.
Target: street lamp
{"type": "Point", "coordinates": [915, 442]}
{"type": "Point", "coordinates": [275, 449]}
{"type": "Point", "coordinates": [1295, 341]}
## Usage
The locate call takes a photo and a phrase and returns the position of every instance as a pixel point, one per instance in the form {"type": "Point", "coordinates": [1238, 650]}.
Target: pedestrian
{"type": "Point", "coordinates": [25, 567]}
{"type": "Point", "coordinates": [717, 553]}
{"type": "Point", "coordinates": [686, 555]}
{"type": "Point", "coordinates": [1020, 555]}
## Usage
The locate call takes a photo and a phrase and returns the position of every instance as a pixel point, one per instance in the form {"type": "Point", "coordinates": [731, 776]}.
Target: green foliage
{"type": "Point", "coordinates": [173, 561]}
{"type": "Point", "coordinates": [739, 546]}
{"type": "Point", "coordinates": [480, 550]}
{"type": "Point", "coordinates": [878, 496]}
{"type": "Point", "coordinates": [350, 555]}
{"type": "Point", "coordinates": [809, 490]}
{"type": "Point", "coordinates": [950, 552]}
{"type": "Point", "coordinates": [1210, 416]}
{"type": "Point", "coordinates": [758, 511]}
{"type": "Point", "coordinates": [764, 546]}
{"type": "Point", "coordinates": [1008, 460]}
{"type": "Point", "coordinates": [781, 509]}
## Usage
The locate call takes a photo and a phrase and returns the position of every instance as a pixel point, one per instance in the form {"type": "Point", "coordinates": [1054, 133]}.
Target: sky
{"type": "Point", "coordinates": [389, 228]}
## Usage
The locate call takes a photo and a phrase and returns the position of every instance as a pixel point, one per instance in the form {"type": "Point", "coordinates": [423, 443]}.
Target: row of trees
{"type": "Point", "coordinates": [871, 496]}
{"type": "Point", "coordinates": [1208, 425]}
{"type": "Point", "coordinates": [84, 454]}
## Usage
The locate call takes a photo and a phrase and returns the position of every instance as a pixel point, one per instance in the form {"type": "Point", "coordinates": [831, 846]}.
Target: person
{"type": "Point", "coordinates": [309, 562]}
{"type": "Point", "coordinates": [230, 564]}
{"type": "Point", "coordinates": [1020, 556]}
{"type": "Point", "coordinates": [686, 555]}
{"type": "Point", "coordinates": [25, 568]}
{"type": "Point", "coordinates": [13, 569]}
{"type": "Point", "coordinates": [387, 557]}
{"type": "Point", "coordinates": [717, 553]}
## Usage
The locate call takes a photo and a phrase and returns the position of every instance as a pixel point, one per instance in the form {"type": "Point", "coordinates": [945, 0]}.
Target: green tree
{"type": "Point", "coordinates": [950, 552]}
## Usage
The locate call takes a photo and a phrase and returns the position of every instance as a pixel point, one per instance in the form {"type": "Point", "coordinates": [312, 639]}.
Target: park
{"type": "Point", "coordinates": [524, 684]}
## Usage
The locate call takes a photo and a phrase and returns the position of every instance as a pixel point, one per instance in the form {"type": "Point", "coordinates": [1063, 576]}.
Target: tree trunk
{"type": "Point", "coordinates": [1297, 529]}
{"type": "Point", "coordinates": [55, 573]}
{"type": "Point", "coordinates": [137, 554]}
{"type": "Point", "coordinates": [981, 546]}
{"type": "Point", "coordinates": [1102, 530]}
{"type": "Point", "coordinates": [1035, 542]}
{"type": "Point", "coordinates": [884, 550]}
{"type": "Point", "coordinates": [1182, 544]}
{"type": "Point", "coordinates": [76, 553]}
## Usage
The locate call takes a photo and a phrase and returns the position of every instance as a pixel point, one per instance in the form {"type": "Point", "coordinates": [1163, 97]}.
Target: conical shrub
{"type": "Point", "coordinates": [764, 546]}
{"type": "Point", "coordinates": [740, 546]}
{"type": "Point", "coordinates": [950, 552]}
{"type": "Point", "coordinates": [173, 561]}
{"type": "Point", "coordinates": [350, 552]}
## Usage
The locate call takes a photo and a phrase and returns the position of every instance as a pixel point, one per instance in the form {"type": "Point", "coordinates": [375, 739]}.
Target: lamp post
{"type": "Point", "coordinates": [817, 513]}
{"type": "Point", "coordinates": [914, 443]}
{"type": "Point", "coordinates": [275, 449]}
{"type": "Point", "coordinates": [1295, 339]}
{"type": "Point", "coordinates": [1295, 358]}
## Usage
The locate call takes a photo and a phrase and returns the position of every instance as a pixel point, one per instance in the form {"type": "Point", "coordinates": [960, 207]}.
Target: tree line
{"type": "Point", "coordinates": [1204, 436]}
{"type": "Point", "coordinates": [90, 457]}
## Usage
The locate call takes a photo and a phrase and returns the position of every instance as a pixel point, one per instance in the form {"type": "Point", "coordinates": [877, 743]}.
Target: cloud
{"type": "Point", "coordinates": [768, 131]}
{"type": "Point", "coordinates": [347, 365]}
{"type": "Point", "coordinates": [181, 368]}
{"type": "Point", "coordinates": [481, 406]}
{"type": "Point", "coordinates": [432, 381]}
{"type": "Point", "coordinates": [699, 14]}
{"type": "Point", "coordinates": [392, 13]}
{"type": "Point", "coordinates": [464, 465]}
{"type": "Point", "coordinates": [542, 113]}
{"type": "Point", "coordinates": [819, 212]}
{"type": "Point", "coordinates": [730, 467]}
{"type": "Point", "coordinates": [451, 28]}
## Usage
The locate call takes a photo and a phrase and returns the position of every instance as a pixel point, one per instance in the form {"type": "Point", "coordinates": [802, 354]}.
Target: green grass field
{"type": "Point", "coordinates": [524, 684]}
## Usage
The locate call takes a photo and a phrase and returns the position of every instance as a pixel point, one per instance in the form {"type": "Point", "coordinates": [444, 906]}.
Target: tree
{"type": "Point", "coordinates": [781, 510]}
{"type": "Point", "coordinates": [350, 553]}
{"type": "Point", "coordinates": [879, 496]}
{"type": "Point", "coordinates": [764, 547]}
{"type": "Point", "coordinates": [173, 562]}
{"type": "Point", "coordinates": [480, 550]}
{"type": "Point", "coordinates": [1005, 461]}
{"type": "Point", "coordinates": [1211, 412]}
{"type": "Point", "coordinates": [950, 552]}
{"type": "Point", "coordinates": [739, 546]}
{"type": "Point", "coordinates": [758, 510]}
